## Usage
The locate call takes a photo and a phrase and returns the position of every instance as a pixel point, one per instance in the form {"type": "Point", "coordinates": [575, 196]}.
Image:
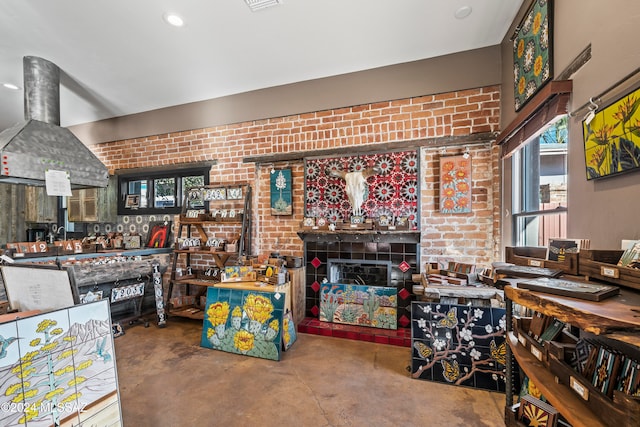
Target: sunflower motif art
{"type": "Point", "coordinates": [532, 55]}
{"type": "Point", "coordinates": [455, 184]}
{"type": "Point", "coordinates": [459, 344]}
{"type": "Point", "coordinates": [244, 322]}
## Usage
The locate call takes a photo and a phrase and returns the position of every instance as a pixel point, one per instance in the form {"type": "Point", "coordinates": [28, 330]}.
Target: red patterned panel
{"type": "Point", "coordinates": [393, 192]}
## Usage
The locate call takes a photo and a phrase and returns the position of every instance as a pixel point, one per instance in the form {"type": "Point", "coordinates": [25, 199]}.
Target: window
{"type": "Point", "coordinates": [539, 200]}
{"type": "Point", "coordinates": [159, 192]}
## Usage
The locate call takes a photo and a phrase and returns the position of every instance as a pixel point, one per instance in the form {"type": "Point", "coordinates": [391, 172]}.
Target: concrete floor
{"type": "Point", "coordinates": [167, 379]}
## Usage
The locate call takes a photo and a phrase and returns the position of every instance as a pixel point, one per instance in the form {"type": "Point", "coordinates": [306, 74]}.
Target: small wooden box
{"type": "Point", "coordinates": [602, 265]}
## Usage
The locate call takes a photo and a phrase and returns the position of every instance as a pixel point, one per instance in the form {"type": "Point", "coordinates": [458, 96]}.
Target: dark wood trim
{"type": "Point", "coordinates": [444, 141]}
{"type": "Point", "coordinates": [166, 168]}
{"type": "Point", "coordinates": [580, 60]}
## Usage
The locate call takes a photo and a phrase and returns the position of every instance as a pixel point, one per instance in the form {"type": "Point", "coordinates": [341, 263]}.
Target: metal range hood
{"type": "Point", "coordinates": [28, 149]}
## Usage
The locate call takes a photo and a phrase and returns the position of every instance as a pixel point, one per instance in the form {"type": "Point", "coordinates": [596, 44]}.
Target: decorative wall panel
{"type": "Point", "coordinates": [459, 344]}
{"type": "Point", "coordinates": [373, 306]}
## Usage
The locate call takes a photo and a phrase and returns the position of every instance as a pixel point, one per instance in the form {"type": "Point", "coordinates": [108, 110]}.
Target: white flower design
{"type": "Point", "coordinates": [475, 354]}
{"type": "Point", "coordinates": [502, 323]}
{"type": "Point", "coordinates": [477, 313]}
{"type": "Point", "coordinates": [488, 328]}
{"type": "Point", "coordinates": [439, 344]}
{"type": "Point", "coordinates": [422, 323]}
{"type": "Point", "coordinates": [465, 334]}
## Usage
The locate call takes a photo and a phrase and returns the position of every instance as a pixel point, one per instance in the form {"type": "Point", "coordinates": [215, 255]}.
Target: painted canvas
{"type": "Point", "coordinates": [58, 368]}
{"type": "Point", "coordinates": [281, 195]}
{"type": "Point", "coordinates": [373, 306]}
{"type": "Point", "coordinates": [532, 52]}
{"type": "Point", "coordinates": [455, 184]}
{"type": "Point", "coordinates": [244, 322]}
{"type": "Point", "coordinates": [612, 138]}
{"type": "Point", "coordinates": [289, 335]}
{"type": "Point", "coordinates": [459, 345]}
{"type": "Point", "coordinates": [392, 192]}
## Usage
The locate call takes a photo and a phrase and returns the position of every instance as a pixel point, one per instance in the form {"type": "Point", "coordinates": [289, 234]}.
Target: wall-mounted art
{"type": "Point", "coordinates": [372, 306]}
{"type": "Point", "coordinates": [281, 192]}
{"type": "Point", "coordinates": [533, 52]}
{"type": "Point", "coordinates": [459, 345]}
{"type": "Point", "coordinates": [612, 138]}
{"type": "Point", "coordinates": [159, 234]}
{"type": "Point", "coordinates": [58, 368]}
{"type": "Point", "coordinates": [392, 191]}
{"type": "Point", "coordinates": [244, 322]}
{"type": "Point", "coordinates": [455, 184]}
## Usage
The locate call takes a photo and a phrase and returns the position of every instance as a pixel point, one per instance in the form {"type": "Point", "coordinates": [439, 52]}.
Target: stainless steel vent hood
{"type": "Point", "coordinates": [28, 149]}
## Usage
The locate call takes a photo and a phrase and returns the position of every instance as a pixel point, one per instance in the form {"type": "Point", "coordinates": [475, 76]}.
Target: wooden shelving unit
{"type": "Point", "coordinates": [615, 318]}
{"type": "Point", "coordinates": [218, 258]}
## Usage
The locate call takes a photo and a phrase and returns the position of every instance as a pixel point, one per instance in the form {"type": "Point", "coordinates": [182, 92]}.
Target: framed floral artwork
{"type": "Point", "coordinates": [612, 138]}
{"type": "Point", "coordinates": [455, 184]}
{"type": "Point", "coordinates": [281, 193]}
{"type": "Point", "coordinates": [532, 52]}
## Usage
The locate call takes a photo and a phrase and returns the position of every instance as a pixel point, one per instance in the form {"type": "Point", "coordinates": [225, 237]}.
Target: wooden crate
{"type": "Point", "coordinates": [534, 256]}
{"type": "Point", "coordinates": [602, 265]}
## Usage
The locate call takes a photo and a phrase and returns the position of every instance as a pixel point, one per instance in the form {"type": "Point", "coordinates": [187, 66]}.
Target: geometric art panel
{"type": "Point", "coordinates": [459, 344]}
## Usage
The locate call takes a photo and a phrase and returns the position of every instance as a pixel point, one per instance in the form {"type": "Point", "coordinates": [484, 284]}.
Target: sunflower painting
{"type": "Point", "coordinates": [612, 138]}
{"type": "Point", "coordinates": [455, 184]}
{"type": "Point", "coordinates": [532, 52]}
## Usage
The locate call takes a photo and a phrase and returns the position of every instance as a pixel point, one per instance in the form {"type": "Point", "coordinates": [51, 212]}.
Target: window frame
{"type": "Point", "coordinates": [150, 176]}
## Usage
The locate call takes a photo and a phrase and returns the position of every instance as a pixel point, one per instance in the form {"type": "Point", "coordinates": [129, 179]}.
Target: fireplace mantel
{"type": "Point", "coordinates": [395, 236]}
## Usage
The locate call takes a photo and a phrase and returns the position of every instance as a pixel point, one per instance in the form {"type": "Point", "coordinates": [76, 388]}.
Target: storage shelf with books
{"type": "Point", "coordinates": [606, 348]}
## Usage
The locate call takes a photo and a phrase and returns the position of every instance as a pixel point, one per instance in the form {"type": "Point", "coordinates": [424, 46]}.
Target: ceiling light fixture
{"type": "Point", "coordinates": [463, 12]}
{"type": "Point", "coordinates": [173, 19]}
{"type": "Point", "coordinates": [255, 5]}
{"type": "Point", "coordinates": [11, 86]}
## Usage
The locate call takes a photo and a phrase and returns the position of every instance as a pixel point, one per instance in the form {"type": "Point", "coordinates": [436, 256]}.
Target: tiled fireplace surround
{"type": "Point", "coordinates": [401, 248]}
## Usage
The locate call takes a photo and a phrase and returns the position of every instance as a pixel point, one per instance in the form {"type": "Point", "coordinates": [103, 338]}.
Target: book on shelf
{"type": "Point", "coordinates": [550, 333]}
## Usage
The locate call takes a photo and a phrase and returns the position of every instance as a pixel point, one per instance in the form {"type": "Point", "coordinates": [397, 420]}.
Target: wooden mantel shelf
{"type": "Point", "coordinates": [397, 236]}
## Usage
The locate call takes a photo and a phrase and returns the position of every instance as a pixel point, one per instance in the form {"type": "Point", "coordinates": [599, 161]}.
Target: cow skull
{"type": "Point", "coordinates": [356, 186]}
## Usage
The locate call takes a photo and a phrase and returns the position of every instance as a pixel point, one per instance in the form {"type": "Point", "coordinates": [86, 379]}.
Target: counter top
{"type": "Point", "coordinates": [106, 253]}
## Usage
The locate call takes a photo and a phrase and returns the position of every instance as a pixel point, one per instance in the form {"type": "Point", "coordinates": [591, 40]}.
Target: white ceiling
{"type": "Point", "coordinates": [119, 57]}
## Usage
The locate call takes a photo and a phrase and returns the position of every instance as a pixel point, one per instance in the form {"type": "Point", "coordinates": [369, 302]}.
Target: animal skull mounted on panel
{"type": "Point", "coordinates": [356, 186]}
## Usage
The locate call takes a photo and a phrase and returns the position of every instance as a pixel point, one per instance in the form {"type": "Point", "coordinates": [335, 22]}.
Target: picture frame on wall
{"type": "Point", "coordinates": [132, 201]}
{"type": "Point", "coordinates": [533, 52]}
{"type": "Point", "coordinates": [281, 192]}
{"type": "Point", "coordinates": [455, 184]}
{"type": "Point", "coordinates": [611, 139]}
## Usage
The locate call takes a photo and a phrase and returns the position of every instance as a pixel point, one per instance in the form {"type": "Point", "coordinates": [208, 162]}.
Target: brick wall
{"type": "Point", "coordinates": [472, 237]}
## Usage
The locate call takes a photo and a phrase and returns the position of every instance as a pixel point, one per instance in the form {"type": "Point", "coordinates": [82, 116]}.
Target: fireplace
{"type": "Point", "coordinates": [387, 258]}
{"type": "Point", "coordinates": [359, 272]}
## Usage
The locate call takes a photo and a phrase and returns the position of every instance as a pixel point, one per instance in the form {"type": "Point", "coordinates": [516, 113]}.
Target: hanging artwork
{"type": "Point", "coordinates": [532, 52]}
{"type": "Point", "coordinates": [159, 234]}
{"type": "Point", "coordinates": [459, 344]}
{"type": "Point", "coordinates": [58, 368]}
{"type": "Point", "coordinates": [612, 138]}
{"type": "Point", "coordinates": [373, 306]}
{"type": "Point", "coordinates": [455, 184]}
{"type": "Point", "coordinates": [244, 322]}
{"type": "Point", "coordinates": [281, 195]}
{"type": "Point", "coordinates": [391, 192]}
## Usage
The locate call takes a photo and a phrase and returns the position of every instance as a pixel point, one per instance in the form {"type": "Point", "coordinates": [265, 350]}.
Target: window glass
{"type": "Point", "coordinates": [192, 182]}
{"type": "Point", "coordinates": [540, 187]}
{"type": "Point", "coordinates": [164, 192]}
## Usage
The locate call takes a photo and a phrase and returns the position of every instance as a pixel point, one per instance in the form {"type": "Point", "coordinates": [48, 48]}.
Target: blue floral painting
{"type": "Point", "coordinates": [459, 345]}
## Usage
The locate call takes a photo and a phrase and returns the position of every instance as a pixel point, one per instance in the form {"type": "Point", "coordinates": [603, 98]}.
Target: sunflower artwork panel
{"type": "Point", "coordinates": [244, 322]}
{"type": "Point", "coordinates": [532, 53]}
{"type": "Point", "coordinates": [459, 345]}
{"type": "Point", "coordinates": [455, 184]}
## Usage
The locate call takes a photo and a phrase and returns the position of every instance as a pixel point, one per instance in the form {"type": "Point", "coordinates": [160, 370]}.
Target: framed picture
{"type": "Point", "coordinates": [195, 199]}
{"type": "Point", "coordinates": [532, 52]}
{"type": "Point", "coordinates": [281, 193]}
{"type": "Point", "coordinates": [455, 184]}
{"type": "Point", "coordinates": [559, 248]}
{"type": "Point", "coordinates": [234, 193]}
{"type": "Point", "coordinates": [611, 138]}
{"type": "Point", "coordinates": [132, 201]}
{"type": "Point", "coordinates": [159, 234]}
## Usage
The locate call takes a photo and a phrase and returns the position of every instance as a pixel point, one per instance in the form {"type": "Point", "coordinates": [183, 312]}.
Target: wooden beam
{"type": "Point", "coordinates": [443, 141]}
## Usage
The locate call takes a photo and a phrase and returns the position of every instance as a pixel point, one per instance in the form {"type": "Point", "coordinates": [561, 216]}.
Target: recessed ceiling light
{"type": "Point", "coordinates": [463, 12]}
{"type": "Point", "coordinates": [173, 19]}
{"type": "Point", "coordinates": [11, 86]}
{"type": "Point", "coordinates": [261, 4]}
